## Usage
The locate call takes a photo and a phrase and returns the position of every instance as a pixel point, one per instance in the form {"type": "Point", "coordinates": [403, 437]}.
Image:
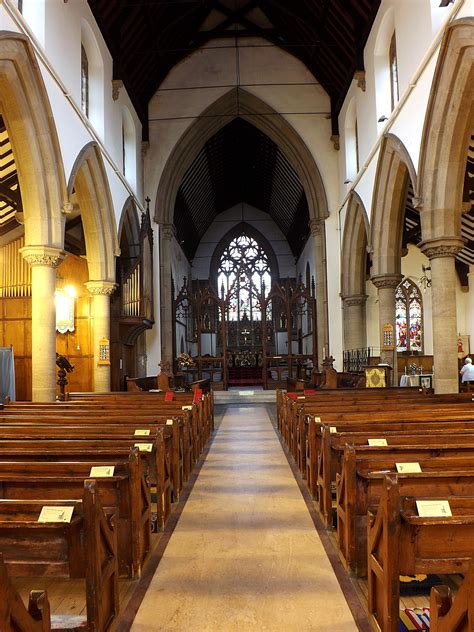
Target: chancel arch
{"type": "Point", "coordinates": [354, 274]}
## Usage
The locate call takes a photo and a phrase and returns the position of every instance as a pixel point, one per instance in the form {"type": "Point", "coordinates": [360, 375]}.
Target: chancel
{"type": "Point", "coordinates": [236, 289]}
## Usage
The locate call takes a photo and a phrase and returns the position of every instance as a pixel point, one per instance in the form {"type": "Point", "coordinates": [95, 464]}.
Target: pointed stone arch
{"type": "Point", "coordinates": [89, 180]}
{"type": "Point", "coordinates": [240, 103]}
{"type": "Point", "coordinates": [27, 114]}
{"type": "Point", "coordinates": [394, 170]}
{"type": "Point", "coordinates": [353, 273]}
{"type": "Point", "coordinates": [449, 123]}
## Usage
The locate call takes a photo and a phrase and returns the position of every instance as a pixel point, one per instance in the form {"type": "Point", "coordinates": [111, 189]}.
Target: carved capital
{"type": "Point", "coordinates": [442, 247]}
{"type": "Point", "coordinates": [117, 85]}
{"type": "Point", "coordinates": [42, 256]}
{"type": "Point", "coordinates": [359, 76]}
{"type": "Point", "coordinates": [355, 300]}
{"type": "Point", "coordinates": [335, 141]}
{"type": "Point", "coordinates": [101, 288]}
{"type": "Point", "coordinates": [168, 231]}
{"type": "Point", "coordinates": [383, 281]}
{"type": "Point", "coordinates": [145, 147]}
{"type": "Point", "coordinates": [417, 202]}
{"type": "Point", "coordinates": [316, 227]}
{"type": "Point", "coordinates": [67, 208]}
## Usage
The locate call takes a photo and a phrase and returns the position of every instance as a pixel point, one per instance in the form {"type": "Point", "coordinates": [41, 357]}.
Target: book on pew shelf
{"type": "Point", "coordinates": [433, 508]}
{"type": "Point", "coordinates": [408, 468]}
{"type": "Point", "coordinates": [144, 447]}
{"type": "Point", "coordinates": [102, 471]}
{"type": "Point", "coordinates": [377, 442]}
{"type": "Point", "coordinates": [55, 514]}
{"type": "Point", "coordinates": [141, 432]}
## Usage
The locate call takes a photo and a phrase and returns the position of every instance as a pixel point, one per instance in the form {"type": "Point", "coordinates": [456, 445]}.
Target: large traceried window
{"type": "Point", "coordinates": [409, 317]}
{"type": "Point", "coordinates": [244, 278]}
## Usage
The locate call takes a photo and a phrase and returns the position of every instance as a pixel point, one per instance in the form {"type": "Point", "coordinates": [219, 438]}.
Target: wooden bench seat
{"type": "Point", "coordinates": [85, 548]}
{"type": "Point", "coordinates": [359, 488]}
{"type": "Point", "coordinates": [126, 494]}
{"type": "Point", "coordinates": [448, 613]}
{"type": "Point", "coordinates": [402, 543]}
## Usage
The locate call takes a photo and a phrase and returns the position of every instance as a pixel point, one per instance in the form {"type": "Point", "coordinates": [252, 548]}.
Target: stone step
{"type": "Point", "coordinates": [244, 397]}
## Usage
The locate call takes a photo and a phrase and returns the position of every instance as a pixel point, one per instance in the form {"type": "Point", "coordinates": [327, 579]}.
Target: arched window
{"type": "Point", "coordinates": [243, 277]}
{"type": "Point", "coordinates": [392, 57]}
{"type": "Point", "coordinates": [409, 317]}
{"type": "Point", "coordinates": [84, 82]}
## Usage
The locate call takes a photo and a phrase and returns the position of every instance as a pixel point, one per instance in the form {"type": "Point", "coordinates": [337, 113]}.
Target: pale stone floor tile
{"type": "Point", "coordinates": [245, 554]}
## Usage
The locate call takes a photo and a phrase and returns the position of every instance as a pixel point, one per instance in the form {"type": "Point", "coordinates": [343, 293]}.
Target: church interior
{"type": "Point", "coordinates": [236, 311]}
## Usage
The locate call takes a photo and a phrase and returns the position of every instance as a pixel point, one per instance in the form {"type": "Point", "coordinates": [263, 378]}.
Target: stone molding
{"type": "Point", "coordinates": [168, 231]}
{"type": "Point", "coordinates": [117, 85]}
{"type": "Point", "coordinates": [101, 288]}
{"type": "Point", "coordinates": [315, 226]}
{"type": "Point", "coordinates": [441, 247]}
{"type": "Point", "coordinates": [359, 76]}
{"type": "Point", "coordinates": [67, 208]}
{"type": "Point", "coordinates": [336, 142]}
{"type": "Point", "coordinates": [383, 281]}
{"type": "Point", "coordinates": [358, 300]}
{"type": "Point", "coordinates": [42, 256]}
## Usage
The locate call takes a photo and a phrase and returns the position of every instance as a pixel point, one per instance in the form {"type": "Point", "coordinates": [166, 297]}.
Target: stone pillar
{"type": "Point", "coordinates": [355, 330]}
{"type": "Point", "coordinates": [386, 285]}
{"type": "Point", "coordinates": [470, 309]}
{"type": "Point", "coordinates": [319, 239]}
{"type": "Point", "coordinates": [101, 292]}
{"type": "Point", "coordinates": [167, 233]}
{"type": "Point", "coordinates": [43, 261]}
{"type": "Point", "coordinates": [441, 253]}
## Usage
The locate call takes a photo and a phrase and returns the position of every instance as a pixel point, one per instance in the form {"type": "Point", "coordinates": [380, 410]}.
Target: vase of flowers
{"type": "Point", "coordinates": [184, 361]}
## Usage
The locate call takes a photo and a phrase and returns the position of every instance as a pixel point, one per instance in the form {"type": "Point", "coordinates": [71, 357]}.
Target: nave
{"type": "Point", "coordinates": [245, 554]}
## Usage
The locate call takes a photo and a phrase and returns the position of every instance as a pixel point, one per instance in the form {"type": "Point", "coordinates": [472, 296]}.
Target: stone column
{"type": "Point", "coordinates": [386, 285]}
{"type": "Point", "coordinates": [319, 239]}
{"type": "Point", "coordinates": [43, 261]}
{"type": "Point", "coordinates": [101, 292]}
{"type": "Point", "coordinates": [167, 233]}
{"type": "Point", "coordinates": [355, 331]}
{"type": "Point", "coordinates": [441, 253]}
{"type": "Point", "coordinates": [470, 303]}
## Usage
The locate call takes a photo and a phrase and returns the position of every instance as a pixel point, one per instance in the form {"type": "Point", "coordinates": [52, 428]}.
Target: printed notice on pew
{"type": "Point", "coordinates": [408, 468]}
{"type": "Point", "coordinates": [377, 442]}
{"type": "Point", "coordinates": [56, 514]}
{"type": "Point", "coordinates": [433, 508]}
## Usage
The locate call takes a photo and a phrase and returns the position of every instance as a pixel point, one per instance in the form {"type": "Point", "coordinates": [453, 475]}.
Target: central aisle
{"type": "Point", "coordinates": [245, 554]}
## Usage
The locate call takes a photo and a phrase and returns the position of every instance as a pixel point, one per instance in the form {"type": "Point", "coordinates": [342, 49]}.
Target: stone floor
{"type": "Point", "coordinates": [245, 554]}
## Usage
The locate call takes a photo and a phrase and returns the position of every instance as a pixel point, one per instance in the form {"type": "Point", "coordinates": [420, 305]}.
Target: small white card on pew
{"type": "Point", "coordinates": [332, 429]}
{"type": "Point", "coordinates": [142, 432]}
{"type": "Point", "coordinates": [433, 508]}
{"type": "Point", "coordinates": [301, 397]}
{"type": "Point", "coordinates": [186, 407]}
{"type": "Point", "coordinates": [56, 514]}
{"type": "Point", "coordinates": [169, 422]}
{"type": "Point", "coordinates": [144, 447]}
{"type": "Point", "coordinates": [377, 442]}
{"type": "Point", "coordinates": [408, 468]}
{"type": "Point", "coordinates": [102, 471]}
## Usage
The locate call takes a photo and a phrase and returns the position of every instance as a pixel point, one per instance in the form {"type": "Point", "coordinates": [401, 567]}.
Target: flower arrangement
{"type": "Point", "coordinates": [413, 368]}
{"type": "Point", "coordinates": [185, 361]}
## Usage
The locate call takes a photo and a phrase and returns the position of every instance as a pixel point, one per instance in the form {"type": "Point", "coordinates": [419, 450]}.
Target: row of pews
{"type": "Point", "coordinates": [107, 467]}
{"type": "Point", "coordinates": [358, 450]}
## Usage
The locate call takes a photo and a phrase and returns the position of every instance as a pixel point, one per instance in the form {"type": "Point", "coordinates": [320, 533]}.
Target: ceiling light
{"type": "Point", "coordinates": [383, 118]}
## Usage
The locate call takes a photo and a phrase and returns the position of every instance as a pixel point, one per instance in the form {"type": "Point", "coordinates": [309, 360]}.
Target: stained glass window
{"type": "Point", "coordinates": [409, 317]}
{"type": "Point", "coordinates": [244, 278]}
{"type": "Point", "coordinates": [84, 82]}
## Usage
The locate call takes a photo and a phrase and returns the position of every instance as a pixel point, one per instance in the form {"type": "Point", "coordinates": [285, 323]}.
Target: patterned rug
{"type": "Point", "coordinates": [414, 619]}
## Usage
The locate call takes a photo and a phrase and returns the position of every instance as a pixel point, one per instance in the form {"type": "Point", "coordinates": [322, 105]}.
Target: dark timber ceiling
{"type": "Point", "coordinates": [148, 37]}
{"type": "Point", "coordinates": [11, 209]}
{"type": "Point", "coordinates": [237, 165]}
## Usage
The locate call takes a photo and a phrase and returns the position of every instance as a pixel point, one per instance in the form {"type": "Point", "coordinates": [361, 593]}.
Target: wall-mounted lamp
{"type": "Point", "coordinates": [347, 181]}
{"type": "Point", "coordinates": [425, 280]}
{"type": "Point", "coordinates": [383, 118]}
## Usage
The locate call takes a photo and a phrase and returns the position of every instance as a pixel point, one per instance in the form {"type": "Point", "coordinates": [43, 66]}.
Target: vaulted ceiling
{"type": "Point", "coordinates": [148, 37]}
{"type": "Point", "coordinates": [240, 164]}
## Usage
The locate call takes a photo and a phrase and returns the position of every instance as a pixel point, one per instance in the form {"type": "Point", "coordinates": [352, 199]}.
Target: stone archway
{"type": "Point", "coordinates": [353, 273]}
{"type": "Point", "coordinates": [89, 181]}
{"type": "Point", "coordinates": [448, 127]}
{"type": "Point", "coordinates": [394, 171]}
{"type": "Point", "coordinates": [26, 111]}
{"type": "Point", "coordinates": [240, 103]}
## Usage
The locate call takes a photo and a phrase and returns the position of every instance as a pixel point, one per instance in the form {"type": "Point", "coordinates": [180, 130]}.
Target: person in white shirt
{"type": "Point", "coordinates": [467, 371]}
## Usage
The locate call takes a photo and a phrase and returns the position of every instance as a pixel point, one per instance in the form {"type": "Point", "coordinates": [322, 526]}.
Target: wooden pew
{"type": "Point", "coordinates": [448, 613]}
{"type": "Point", "coordinates": [86, 547]}
{"type": "Point", "coordinates": [126, 494]}
{"type": "Point", "coordinates": [14, 616]}
{"type": "Point", "coordinates": [359, 489]}
{"type": "Point", "coordinates": [402, 543]}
